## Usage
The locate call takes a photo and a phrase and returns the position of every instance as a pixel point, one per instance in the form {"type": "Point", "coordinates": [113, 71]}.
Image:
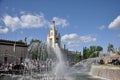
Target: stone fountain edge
{"type": "Point", "coordinates": [106, 71]}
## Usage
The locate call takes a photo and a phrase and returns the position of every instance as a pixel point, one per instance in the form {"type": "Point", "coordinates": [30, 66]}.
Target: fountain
{"type": "Point", "coordinates": [46, 63]}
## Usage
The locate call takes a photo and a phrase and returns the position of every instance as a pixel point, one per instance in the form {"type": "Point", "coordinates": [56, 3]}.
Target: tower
{"type": "Point", "coordinates": [54, 37]}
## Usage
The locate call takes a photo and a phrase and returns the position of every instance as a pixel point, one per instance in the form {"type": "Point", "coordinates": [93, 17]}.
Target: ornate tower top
{"type": "Point", "coordinates": [54, 37]}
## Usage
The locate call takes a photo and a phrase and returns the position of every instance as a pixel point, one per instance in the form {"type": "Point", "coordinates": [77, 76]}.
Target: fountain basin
{"type": "Point", "coordinates": [109, 72]}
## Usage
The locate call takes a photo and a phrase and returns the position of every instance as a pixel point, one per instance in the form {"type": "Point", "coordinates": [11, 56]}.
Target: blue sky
{"type": "Point", "coordinates": [80, 22]}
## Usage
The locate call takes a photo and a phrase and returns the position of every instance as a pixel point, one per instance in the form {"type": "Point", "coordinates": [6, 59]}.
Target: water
{"type": "Point", "coordinates": [82, 76]}
{"type": "Point", "coordinates": [75, 76]}
{"type": "Point", "coordinates": [60, 68]}
{"type": "Point", "coordinates": [51, 65]}
{"type": "Point", "coordinates": [85, 65]}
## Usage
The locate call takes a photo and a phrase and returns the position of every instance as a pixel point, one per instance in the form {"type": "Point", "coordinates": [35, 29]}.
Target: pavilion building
{"type": "Point", "coordinates": [12, 51]}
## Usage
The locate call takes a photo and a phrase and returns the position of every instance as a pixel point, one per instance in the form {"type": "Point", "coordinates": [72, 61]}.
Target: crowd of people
{"type": "Point", "coordinates": [11, 68]}
{"type": "Point", "coordinates": [26, 66]}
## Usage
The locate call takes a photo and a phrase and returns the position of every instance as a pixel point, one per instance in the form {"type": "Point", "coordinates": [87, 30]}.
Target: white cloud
{"type": "Point", "coordinates": [11, 22]}
{"type": "Point", "coordinates": [28, 20]}
{"type": "Point", "coordinates": [3, 31]}
{"type": "Point", "coordinates": [33, 21]}
{"type": "Point", "coordinates": [60, 21]}
{"type": "Point", "coordinates": [86, 39]}
{"type": "Point", "coordinates": [25, 21]}
{"type": "Point", "coordinates": [102, 27]}
{"type": "Point", "coordinates": [115, 24]}
{"type": "Point", "coordinates": [74, 39]}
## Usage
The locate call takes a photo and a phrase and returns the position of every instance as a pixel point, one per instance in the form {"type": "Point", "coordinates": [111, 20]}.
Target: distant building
{"type": "Point", "coordinates": [54, 37]}
{"type": "Point", "coordinates": [12, 51]}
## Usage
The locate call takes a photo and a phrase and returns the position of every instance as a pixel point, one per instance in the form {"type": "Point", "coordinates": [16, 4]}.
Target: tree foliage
{"type": "Point", "coordinates": [77, 57]}
{"type": "Point", "coordinates": [35, 40]}
{"type": "Point", "coordinates": [34, 48]}
{"type": "Point", "coordinates": [92, 51]}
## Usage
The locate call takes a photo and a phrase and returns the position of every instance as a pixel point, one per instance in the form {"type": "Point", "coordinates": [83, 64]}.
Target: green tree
{"type": "Point", "coordinates": [85, 52]}
{"type": "Point", "coordinates": [34, 48]}
{"type": "Point", "coordinates": [35, 40]}
{"type": "Point", "coordinates": [92, 51]}
{"type": "Point", "coordinates": [99, 48]}
{"type": "Point", "coordinates": [77, 57]}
